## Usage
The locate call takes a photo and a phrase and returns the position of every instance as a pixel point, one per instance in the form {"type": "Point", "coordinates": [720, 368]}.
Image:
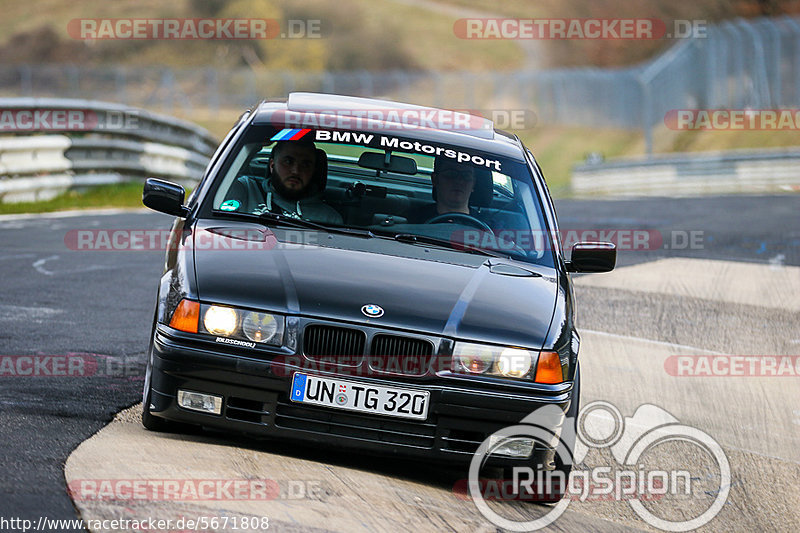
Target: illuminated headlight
{"type": "Point", "coordinates": [492, 360]}
{"type": "Point", "coordinates": [241, 324]}
{"type": "Point", "coordinates": [220, 320]}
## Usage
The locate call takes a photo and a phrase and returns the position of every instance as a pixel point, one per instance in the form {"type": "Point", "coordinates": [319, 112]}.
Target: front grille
{"type": "Point", "coordinates": [400, 355]}
{"type": "Point", "coordinates": [343, 346]}
{"type": "Point", "coordinates": [365, 427]}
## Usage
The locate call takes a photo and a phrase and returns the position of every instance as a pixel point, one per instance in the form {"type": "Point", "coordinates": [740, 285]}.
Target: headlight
{"type": "Point", "coordinates": [220, 320]}
{"type": "Point", "coordinates": [500, 361]}
{"type": "Point", "coordinates": [259, 327]}
{"type": "Point", "coordinates": [229, 322]}
{"type": "Point", "coordinates": [472, 358]}
{"type": "Point", "coordinates": [514, 362]}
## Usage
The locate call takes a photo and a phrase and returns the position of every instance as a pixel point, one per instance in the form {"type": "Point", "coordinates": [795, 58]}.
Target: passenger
{"type": "Point", "coordinates": [298, 175]}
{"type": "Point", "coordinates": [453, 184]}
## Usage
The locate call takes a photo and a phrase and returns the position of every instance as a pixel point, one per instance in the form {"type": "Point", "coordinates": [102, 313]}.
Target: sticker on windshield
{"type": "Point", "coordinates": [230, 205]}
{"type": "Point", "coordinates": [289, 134]}
{"type": "Point", "coordinates": [394, 143]}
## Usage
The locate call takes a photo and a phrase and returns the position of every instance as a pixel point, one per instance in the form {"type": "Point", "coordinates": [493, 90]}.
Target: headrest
{"type": "Point", "coordinates": [321, 169]}
{"type": "Point", "coordinates": [483, 192]}
{"type": "Point", "coordinates": [484, 189]}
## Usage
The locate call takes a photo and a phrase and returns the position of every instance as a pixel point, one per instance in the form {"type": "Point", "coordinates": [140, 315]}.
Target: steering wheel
{"type": "Point", "coordinates": [460, 217]}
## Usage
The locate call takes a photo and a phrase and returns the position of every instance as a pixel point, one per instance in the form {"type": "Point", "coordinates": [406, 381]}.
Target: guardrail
{"type": "Point", "coordinates": [52, 144]}
{"type": "Point", "coordinates": [691, 174]}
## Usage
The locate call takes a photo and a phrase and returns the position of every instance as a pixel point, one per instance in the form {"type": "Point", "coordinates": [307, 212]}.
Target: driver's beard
{"type": "Point", "coordinates": [290, 195]}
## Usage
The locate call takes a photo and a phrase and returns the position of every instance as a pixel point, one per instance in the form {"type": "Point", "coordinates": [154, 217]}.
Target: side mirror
{"type": "Point", "coordinates": [164, 197]}
{"type": "Point", "coordinates": [592, 257]}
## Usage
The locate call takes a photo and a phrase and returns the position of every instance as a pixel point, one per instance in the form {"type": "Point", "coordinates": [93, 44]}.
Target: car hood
{"type": "Point", "coordinates": [482, 299]}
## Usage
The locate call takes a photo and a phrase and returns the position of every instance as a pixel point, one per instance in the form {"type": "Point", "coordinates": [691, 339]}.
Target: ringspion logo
{"type": "Point", "coordinates": [601, 425]}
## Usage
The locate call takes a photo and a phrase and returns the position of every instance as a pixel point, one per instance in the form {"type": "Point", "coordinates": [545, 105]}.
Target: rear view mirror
{"type": "Point", "coordinates": [164, 197]}
{"type": "Point", "coordinates": [592, 257]}
{"type": "Point", "coordinates": [388, 162]}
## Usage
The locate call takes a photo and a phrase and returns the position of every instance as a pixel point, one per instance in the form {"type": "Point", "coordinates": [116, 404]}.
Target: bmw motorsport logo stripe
{"type": "Point", "coordinates": [289, 134]}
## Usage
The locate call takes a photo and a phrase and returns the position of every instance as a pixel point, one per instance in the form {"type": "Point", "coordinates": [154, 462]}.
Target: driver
{"type": "Point", "coordinates": [452, 186]}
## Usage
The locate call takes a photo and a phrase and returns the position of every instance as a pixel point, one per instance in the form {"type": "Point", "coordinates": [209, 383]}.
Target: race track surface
{"type": "Point", "coordinates": [96, 306]}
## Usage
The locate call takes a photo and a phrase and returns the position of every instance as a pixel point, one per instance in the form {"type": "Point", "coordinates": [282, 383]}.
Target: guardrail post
{"type": "Point", "coordinates": [25, 80]}
{"type": "Point", "coordinates": [120, 83]}
{"type": "Point", "coordinates": [212, 89]}
{"type": "Point", "coordinates": [647, 117]}
{"type": "Point", "coordinates": [796, 38]}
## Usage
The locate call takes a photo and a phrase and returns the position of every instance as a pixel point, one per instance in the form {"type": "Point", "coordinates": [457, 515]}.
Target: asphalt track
{"type": "Point", "coordinates": [58, 302]}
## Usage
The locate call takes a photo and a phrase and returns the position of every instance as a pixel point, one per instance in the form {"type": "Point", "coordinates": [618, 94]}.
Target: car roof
{"type": "Point", "coordinates": [303, 109]}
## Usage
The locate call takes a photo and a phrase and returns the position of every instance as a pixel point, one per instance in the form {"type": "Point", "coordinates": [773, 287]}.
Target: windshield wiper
{"type": "Point", "coordinates": [413, 238]}
{"type": "Point", "coordinates": [284, 220]}
{"type": "Point", "coordinates": [302, 223]}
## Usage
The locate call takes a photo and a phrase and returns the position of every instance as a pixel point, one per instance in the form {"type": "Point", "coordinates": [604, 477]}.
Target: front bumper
{"type": "Point", "coordinates": [256, 403]}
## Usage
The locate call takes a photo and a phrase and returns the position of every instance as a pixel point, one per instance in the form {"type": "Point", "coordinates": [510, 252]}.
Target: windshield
{"type": "Point", "coordinates": [387, 185]}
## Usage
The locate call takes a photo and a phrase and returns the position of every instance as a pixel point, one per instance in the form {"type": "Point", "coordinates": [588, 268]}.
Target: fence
{"type": "Point", "coordinates": [737, 64]}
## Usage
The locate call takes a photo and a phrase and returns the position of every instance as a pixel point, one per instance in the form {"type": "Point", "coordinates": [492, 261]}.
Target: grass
{"type": "Point", "coordinates": [118, 195]}
{"type": "Point", "coordinates": [559, 148]}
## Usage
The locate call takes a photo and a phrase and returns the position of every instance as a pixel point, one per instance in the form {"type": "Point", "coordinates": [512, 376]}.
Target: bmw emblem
{"type": "Point", "coordinates": [372, 310]}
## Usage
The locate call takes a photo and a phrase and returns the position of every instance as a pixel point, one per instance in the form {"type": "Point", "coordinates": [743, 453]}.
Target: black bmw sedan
{"type": "Point", "coordinates": [369, 275]}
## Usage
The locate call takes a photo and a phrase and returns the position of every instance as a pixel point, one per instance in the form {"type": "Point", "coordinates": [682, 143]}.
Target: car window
{"type": "Point", "coordinates": [389, 184]}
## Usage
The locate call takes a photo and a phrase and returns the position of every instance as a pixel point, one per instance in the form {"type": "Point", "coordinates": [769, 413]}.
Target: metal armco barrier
{"type": "Point", "coordinates": [48, 145]}
{"type": "Point", "coordinates": [746, 171]}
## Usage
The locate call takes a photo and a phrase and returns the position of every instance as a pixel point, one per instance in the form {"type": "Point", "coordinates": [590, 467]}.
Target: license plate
{"type": "Point", "coordinates": [361, 397]}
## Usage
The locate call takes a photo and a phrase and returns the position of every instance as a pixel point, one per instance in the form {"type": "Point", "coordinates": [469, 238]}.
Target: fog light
{"type": "Point", "coordinates": [510, 447]}
{"type": "Point", "coordinates": [198, 401]}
